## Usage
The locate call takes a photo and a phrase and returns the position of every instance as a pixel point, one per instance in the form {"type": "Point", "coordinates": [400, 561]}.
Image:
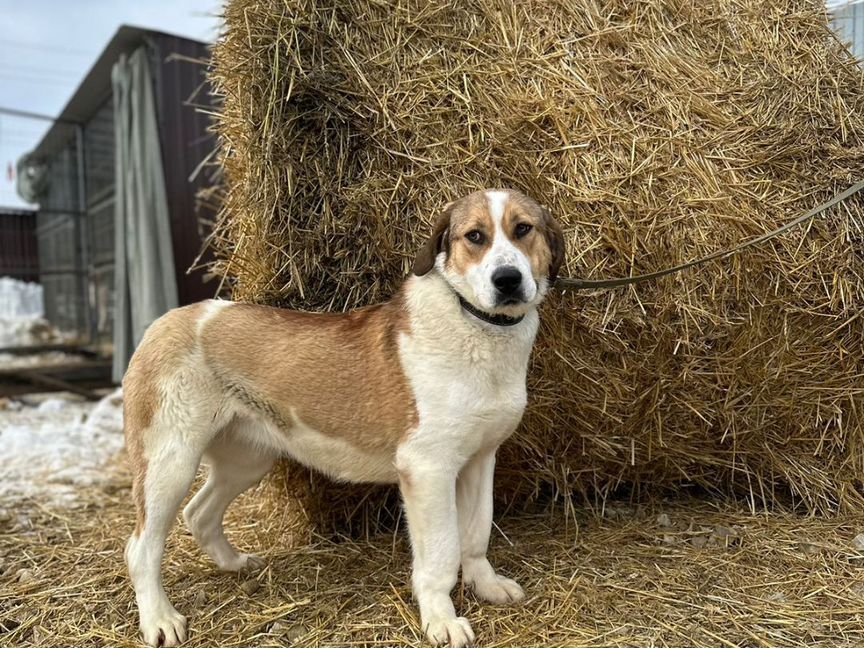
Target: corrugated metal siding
{"type": "Point", "coordinates": [848, 20]}
{"type": "Point", "coordinates": [19, 251]}
{"type": "Point", "coordinates": [186, 142]}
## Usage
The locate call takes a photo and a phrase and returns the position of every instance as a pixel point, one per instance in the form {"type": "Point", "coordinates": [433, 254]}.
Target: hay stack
{"type": "Point", "coordinates": [657, 131]}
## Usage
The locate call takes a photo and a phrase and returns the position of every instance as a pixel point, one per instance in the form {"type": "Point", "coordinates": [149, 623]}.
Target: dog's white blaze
{"type": "Point", "coordinates": [502, 252]}
{"type": "Point", "coordinates": [497, 201]}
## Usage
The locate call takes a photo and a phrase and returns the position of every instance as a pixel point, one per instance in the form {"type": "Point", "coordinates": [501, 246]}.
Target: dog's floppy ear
{"type": "Point", "coordinates": [555, 240]}
{"type": "Point", "coordinates": [437, 241]}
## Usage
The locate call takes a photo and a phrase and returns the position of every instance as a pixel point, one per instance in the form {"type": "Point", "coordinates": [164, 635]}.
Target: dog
{"type": "Point", "coordinates": [419, 391]}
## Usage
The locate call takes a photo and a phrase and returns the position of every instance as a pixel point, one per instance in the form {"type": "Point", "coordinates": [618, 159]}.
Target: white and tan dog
{"type": "Point", "coordinates": [418, 391]}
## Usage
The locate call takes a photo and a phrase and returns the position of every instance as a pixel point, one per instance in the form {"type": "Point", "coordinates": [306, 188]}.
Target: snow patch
{"type": "Point", "coordinates": [49, 451]}
{"type": "Point", "coordinates": [26, 331]}
{"type": "Point", "coordinates": [22, 315]}
{"type": "Point", "coordinates": [38, 360]}
{"type": "Point", "coordinates": [52, 405]}
{"type": "Point", "coordinates": [20, 299]}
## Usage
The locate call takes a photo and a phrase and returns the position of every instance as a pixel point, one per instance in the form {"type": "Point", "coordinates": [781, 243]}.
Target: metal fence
{"type": "Point", "coordinates": [99, 223]}
{"type": "Point", "coordinates": [60, 231]}
{"type": "Point", "coordinates": [75, 237]}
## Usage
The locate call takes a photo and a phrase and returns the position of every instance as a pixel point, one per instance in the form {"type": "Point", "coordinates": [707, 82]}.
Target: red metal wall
{"type": "Point", "coordinates": [186, 142]}
{"type": "Point", "coordinates": [19, 252]}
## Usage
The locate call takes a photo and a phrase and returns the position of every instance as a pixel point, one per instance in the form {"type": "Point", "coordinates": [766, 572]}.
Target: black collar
{"type": "Point", "coordinates": [497, 320]}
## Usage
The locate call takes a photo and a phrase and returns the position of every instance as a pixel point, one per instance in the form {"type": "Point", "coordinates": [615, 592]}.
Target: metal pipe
{"type": "Point", "coordinates": [13, 112]}
{"type": "Point", "coordinates": [84, 236]}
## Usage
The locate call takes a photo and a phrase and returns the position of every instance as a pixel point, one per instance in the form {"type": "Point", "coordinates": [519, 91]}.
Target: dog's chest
{"type": "Point", "coordinates": [485, 413]}
{"type": "Point", "coordinates": [470, 391]}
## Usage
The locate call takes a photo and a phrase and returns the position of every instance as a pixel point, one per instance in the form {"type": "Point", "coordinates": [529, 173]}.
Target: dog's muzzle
{"type": "Point", "coordinates": [508, 286]}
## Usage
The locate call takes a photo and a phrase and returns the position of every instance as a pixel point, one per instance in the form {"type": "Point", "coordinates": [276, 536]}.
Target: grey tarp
{"type": "Point", "coordinates": [144, 264]}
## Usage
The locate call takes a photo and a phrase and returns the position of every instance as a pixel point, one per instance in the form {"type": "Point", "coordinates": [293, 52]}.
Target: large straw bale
{"type": "Point", "coordinates": [656, 131]}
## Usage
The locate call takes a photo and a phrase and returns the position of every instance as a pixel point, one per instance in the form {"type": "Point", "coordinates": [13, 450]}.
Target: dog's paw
{"type": "Point", "coordinates": [246, 563]}
{"type": "Point", "coordinates": [164, 627]}
{"type": "Point", "coordinates": [455, 632]}
{"type": "Point", "coordinates": [498, 589]}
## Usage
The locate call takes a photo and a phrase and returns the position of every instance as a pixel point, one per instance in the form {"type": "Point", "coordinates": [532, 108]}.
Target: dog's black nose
{"type": "Point", "coordinates": [507, 279]}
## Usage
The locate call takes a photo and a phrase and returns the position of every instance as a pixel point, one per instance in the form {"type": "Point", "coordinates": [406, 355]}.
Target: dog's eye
{"type": "Point", "coordinates": [475, 236]}
{"type": "Point", "coordinates": [522, 229]}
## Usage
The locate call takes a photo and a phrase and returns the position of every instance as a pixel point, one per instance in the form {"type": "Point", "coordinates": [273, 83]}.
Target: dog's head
{"type": "Point", "coordinates": [499, 249]}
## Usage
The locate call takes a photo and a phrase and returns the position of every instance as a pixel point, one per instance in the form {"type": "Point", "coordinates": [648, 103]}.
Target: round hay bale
{"type": "Point", "coordinates": [656, 131]}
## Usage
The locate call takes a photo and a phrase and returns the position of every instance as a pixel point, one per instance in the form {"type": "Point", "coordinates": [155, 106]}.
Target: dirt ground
{"type": "Point", "coordinates": [671, 573]}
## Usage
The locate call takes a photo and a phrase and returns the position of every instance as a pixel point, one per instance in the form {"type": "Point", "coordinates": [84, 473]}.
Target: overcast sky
{"type": "Point", "coordinates": [47, 46]}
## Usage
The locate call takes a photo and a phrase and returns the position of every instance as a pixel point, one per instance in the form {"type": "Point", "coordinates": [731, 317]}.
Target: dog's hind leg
{"type": "Point", "coordinates": [165, 457]}
{"type": "Point", "coordinates": [234, 466]}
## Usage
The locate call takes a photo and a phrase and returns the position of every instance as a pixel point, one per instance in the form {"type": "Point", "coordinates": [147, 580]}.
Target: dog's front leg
{"type": "Point", "coordinates": [429, 493]}
{"type": "Point", "coordinates": [474, 503]}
